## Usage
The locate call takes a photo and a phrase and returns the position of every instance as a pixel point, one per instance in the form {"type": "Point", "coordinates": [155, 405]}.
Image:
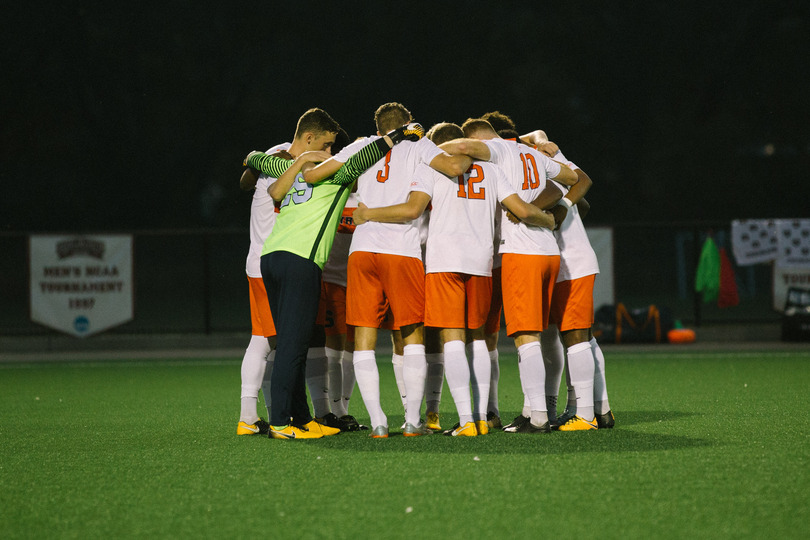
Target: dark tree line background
{"type": "Point", "coordinates": [137, 115]}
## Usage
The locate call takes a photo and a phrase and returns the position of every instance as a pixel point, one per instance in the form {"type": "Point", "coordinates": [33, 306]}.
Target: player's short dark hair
{"type": "Point", "coordinates": [341, 140]}
{"type": "Point", "coordinates": [477, 125]}
{"type": "Point", "coordinates": [445, 131]}
{"type": "Point", "coordinates": [316, 121]}
{"type": "Point", "coordinates": [499, 120]}
{"type": "Point", "coordinates": [509, 134]}
{"type": "Point", "coordinates": [390, 116]}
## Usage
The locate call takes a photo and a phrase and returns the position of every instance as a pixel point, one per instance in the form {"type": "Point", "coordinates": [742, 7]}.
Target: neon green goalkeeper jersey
{"type": "Point", "coordinates": [310, 213]}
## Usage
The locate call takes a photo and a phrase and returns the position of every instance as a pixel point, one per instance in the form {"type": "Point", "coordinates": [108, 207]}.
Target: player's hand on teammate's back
{"type": "Point", "coordinates": [548, 148]}
{"type": "Point", "coordinates": [409, 132]}
{"type": "Point", "coordinates": [559, 212]}
{"type": "Point", "coordinates": [314, 156]}
{"type": "Point", "coordinates": [358, 216]}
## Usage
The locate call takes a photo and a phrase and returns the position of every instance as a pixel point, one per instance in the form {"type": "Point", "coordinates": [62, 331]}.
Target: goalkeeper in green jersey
{"type": "Point", "coordinates": [312, 201]}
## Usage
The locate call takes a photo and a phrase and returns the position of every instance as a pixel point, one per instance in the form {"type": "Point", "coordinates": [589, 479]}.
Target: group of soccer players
{"type": "Point", "coordinates": [429, 237]}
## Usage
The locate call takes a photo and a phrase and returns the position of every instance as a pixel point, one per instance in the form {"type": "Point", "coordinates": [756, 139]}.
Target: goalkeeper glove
{"type": "Point", "coordinates": [409, 132]}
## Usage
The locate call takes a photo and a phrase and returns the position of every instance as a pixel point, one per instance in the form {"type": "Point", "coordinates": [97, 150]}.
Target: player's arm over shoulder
{"type": "Point", "coordinates": [397, 213]}
{"type": "Point", "coordinates": [566, 176]}
{"type": "Point", "coordinates": [528, 213]}
{"type": "Point", "coordinates": [472, 147]}
{"type": "Point", "coordinates": [451, 166]}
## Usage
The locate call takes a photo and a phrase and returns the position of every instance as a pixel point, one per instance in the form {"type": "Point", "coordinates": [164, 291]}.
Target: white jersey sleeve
{"type": "Point", "coordinates": [262, 218]}
{"type": "Point", "coordinates": [577, 257]}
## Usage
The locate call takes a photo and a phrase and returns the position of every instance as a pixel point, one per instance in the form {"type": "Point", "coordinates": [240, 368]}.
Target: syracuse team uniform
{"type": "Point", "coordinates": [262, 218]}
{"type": "Point", "coordinates": [385, 261]}
{"type": "Point", "coordinates": [458, 261]}
{"type": "Point", "coordinates": [530, 255]}
{"type": "Point", "coordinates": [572, 300]}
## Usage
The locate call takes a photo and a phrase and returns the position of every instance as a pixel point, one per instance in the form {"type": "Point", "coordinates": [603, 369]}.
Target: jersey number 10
{"type": "Point", "coordinates": [531, 180]}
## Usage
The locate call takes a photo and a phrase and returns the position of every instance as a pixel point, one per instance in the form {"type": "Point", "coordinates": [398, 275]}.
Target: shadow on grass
{"type": "Point", "coordinates": [615, 440]}
{"type": "Point", "coordinates": [632, 418]}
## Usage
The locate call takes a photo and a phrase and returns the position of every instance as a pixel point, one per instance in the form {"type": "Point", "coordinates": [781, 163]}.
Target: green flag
{"type": "Point", "coordinates": [707, 279]}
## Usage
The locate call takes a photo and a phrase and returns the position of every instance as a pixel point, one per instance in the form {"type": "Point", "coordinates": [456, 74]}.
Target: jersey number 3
{"type": "Point", "coordinates": [468, 189]}
{"type": "Point", "coordinates": [382, 175]}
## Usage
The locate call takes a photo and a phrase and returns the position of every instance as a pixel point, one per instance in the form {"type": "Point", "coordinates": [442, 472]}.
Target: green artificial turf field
{"type": "Point", "coordinates": [706, 445]}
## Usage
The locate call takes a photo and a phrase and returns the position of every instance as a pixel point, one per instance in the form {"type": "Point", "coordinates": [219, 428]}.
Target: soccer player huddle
{"type": "Point", "coordinates": [429, 235]}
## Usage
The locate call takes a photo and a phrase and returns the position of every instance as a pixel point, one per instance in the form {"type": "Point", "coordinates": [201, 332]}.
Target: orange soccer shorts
{"type": "Point", "coordinates": [572, 304]}
{"type": "Point", "coordinates": [333, 300]}
{"type": "Point", "coordinates": [493, 324]}
{"type": "Point", "coordinates": [455, 300]}
{"type": "Point", "coordinates": [527, 282]}
{"type": "Point", "coordinates": [261, 319]}
{"type": "Point", "coordinates": [376, 281]}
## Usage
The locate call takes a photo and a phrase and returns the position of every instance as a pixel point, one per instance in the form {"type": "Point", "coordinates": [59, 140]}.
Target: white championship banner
{"type": "Point", "coordinates": [81, 285]}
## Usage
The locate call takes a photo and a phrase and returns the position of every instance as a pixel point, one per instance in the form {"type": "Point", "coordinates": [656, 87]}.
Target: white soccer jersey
{"type": "Point", "coordinates": [262, 218]}
{"type": "Point", "coordinates": [527, 170]}
{"type": "Point", "coordinates": [462, 222]}
{"type": "Point", "coordinates": [334, 271]}
{"type": "Point", "coordinates": [385, 183]}
{"type": "Point", "coordinates": [577, 258]}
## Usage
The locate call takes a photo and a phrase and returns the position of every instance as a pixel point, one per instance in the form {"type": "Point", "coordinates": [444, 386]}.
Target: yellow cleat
{"type": "Point", "coordinates": [467, 430]}
{"type": "Point", "coordinates": [433, 421]}
{"type": "Point", "coordinates": [482, 427]}
{"type": "Point", "coordinates": [577, 423]}
{"type": "Point", "coordinates": [259, 427]}
{"type": "Point", "coordinates": [317, 427]}
{"type": "Point", "coordinates": [293, 432]}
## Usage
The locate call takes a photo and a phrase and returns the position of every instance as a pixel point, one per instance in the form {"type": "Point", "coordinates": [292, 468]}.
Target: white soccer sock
{"type": "Point", "coordinates": [348, 379]}
{"type": "Point", "coordinates": [571, 400]}
{"type": "Point", "coordinates": [317, 376]}
{"type": "Point", "coordinates": [600, 395]}
{"type": "Point", "coordinates": [457, 372]}
{"type": "Point", "coordinates": [398, 361]}
{"type": "Point", "coordinates": [494, 377]}
{"type": "Point", "coordinates": [335, 380]}
{"type": "Point", "coordinates": [580, 367]}
{"type": "Point", "coordinates": [368, 380]}
{"type": "Point", "coordinates": [480, 374]}
{"type": "Point", "coordinates": [268, 374]}
{"type": "Point", "coordinates": [434, 382]}
{"type": "Point", "coordinates": [414, 373]}
{"type": "Point", "coordinates": [533, 377]}
{"type": "Point", "coordinates": [554, 362]}
{"type": "Point", "coordinates": [252, 372]}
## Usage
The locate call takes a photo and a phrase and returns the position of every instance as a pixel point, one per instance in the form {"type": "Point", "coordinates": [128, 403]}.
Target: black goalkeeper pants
{"type": "Point", "coordinates": [293, 290]}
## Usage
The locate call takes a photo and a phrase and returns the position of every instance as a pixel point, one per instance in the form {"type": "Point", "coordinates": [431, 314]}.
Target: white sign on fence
{"type": "Point", "coordinates": [786, 277]}
{"type": "Point", "coordinates": [81, 285]}
{"type": "Point", "coordinates": [602, 242]}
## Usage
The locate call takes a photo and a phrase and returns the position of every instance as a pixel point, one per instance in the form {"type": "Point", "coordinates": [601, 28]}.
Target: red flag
{"type": "Point", "coordinates": [728, 296]}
